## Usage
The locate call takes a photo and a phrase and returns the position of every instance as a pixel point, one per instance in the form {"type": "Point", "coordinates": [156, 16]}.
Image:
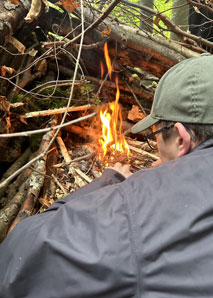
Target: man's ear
{"type": "Point", "coordinates": [183, 139]}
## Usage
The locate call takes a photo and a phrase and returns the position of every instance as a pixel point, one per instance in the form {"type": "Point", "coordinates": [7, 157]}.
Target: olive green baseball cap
{"type": "Point", "coordinates": [184, 94]}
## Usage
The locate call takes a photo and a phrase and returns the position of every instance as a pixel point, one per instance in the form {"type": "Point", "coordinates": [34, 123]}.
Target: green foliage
{"type": "Point", "coordinates": [18, 98]}
{"type": "Point", "coordinates": [128, 15]}
{"type": "Point", "coordinates": [165, 8]}
{"type": "Point", "coordinates": [161, 6]}
{"type": "Point", "coordinates": [55, 6]}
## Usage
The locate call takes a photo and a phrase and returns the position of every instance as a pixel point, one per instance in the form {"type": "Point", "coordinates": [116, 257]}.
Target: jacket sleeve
{"type": "Point", "coordinates": [82, 250]}
{"type": "Point", "coordinates": [108, 177]}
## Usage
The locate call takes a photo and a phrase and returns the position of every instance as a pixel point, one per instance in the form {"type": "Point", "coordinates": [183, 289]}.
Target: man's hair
{"type": "Point", "coordinates": [202, 132]}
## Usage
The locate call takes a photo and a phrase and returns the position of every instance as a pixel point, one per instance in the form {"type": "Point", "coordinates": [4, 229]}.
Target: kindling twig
{"type": "Point", "coordinates": [56, 111]}
{"type": "Point", "coordinates": [59, 184]}
{"type": "Point", "coordinates": [144, 153]}
{"type": "Point", "coordinates": [64, 150]}
{"type": "Point", "coordinates": [83, 175]}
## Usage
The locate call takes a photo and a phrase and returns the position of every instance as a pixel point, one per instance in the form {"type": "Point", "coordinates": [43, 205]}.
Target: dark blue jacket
{"type": "Point", "coordinates": [150, 236]}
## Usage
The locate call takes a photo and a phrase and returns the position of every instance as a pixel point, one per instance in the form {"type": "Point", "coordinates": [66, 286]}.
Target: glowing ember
{"type": "Point", "coordinates": [112, 140]}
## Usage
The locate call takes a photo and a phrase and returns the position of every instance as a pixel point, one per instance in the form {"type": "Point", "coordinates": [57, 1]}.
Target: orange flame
{"type": "Point", "coordinates": [112, 139]}
{"type": "Point", "coordinates": [102, 69]}
{"type": "Point", "coordinates": [107, 59]}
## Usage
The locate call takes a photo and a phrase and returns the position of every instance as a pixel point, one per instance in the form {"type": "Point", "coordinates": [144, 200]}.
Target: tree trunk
{"type": "Point", "coordinates": [180, 16]}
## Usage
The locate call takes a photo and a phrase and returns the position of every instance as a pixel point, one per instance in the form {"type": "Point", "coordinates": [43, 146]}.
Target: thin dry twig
{"type": "Point", "coordinates": [143, 152]}
{"type": "Point", "coordinates": [85, 157]}
{"type": "Point", "coordinates": [56, 111]}
{"type": "Point", "coordinates": [136, 99]}
{"type": "Point", "coordinates": [83, 175]}
{"type": "Point", "coordinates": [64, 150]}
{"type": "Point", "coordinates": [59, 184]}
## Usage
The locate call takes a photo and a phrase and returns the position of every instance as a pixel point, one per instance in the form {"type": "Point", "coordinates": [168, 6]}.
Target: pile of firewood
{"type": "Point", "coordinates": [36, 180]}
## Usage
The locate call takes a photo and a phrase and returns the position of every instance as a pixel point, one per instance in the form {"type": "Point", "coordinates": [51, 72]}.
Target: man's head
{"type": "Point", "coordinates": [184, 101]}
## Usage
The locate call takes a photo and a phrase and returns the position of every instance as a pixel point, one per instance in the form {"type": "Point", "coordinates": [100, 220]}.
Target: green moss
{"type": "Point", "coordinates": [18, 98]}
{"type": "Point", "coordinates": [86, 94]}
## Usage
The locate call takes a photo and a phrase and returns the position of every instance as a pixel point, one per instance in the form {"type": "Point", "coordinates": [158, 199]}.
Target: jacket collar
{"type": "Point", "coordinates": [204, 145]}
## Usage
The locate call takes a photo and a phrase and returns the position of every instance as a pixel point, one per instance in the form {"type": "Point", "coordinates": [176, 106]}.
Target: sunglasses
{"type": "Point", "coordinates": [151, 135]}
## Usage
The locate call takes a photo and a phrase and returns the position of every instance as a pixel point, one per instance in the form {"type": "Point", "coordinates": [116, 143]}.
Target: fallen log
{"type": "Point", "coordinates": [10, 211]}
{"type": "Point", "coordinates": [47, 195]}
{"type": "Point", "coordinates": [14, 186]}
{"type": "Point", "coordinates": [35, 184]}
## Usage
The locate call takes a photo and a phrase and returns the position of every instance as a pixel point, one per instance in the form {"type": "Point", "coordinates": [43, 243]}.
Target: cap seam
{"type": "Point", "coordinates": [195, 93]}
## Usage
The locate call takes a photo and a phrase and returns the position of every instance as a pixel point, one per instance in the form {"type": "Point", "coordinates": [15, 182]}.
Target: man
{"type": "Point", "coordinates": [148, 236]}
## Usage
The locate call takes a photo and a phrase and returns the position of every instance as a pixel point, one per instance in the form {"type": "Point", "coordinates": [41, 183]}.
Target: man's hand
{"type": "Point", "coordinates": [122, 169]}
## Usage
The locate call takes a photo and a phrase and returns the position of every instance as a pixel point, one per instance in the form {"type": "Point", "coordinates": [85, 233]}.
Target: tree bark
{"type": "Point", "coordinates": [11, 18]}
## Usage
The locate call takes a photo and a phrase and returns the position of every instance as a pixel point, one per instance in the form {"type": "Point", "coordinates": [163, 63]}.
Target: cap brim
{"type": "Point", "coordinates": [144, 124]}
